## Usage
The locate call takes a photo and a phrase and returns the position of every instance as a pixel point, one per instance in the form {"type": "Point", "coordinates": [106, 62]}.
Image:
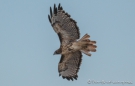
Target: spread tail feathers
{"type": "Point", "coordinates": [87, 45]}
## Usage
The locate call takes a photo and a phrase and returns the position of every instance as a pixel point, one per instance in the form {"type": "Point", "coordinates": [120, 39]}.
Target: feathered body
{"type": "Point", "coordinates": [71, 47]}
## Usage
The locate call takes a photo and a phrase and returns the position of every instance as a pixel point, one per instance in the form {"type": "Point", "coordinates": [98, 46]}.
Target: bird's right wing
{"type": "Point", "coordinates": [69, 65]}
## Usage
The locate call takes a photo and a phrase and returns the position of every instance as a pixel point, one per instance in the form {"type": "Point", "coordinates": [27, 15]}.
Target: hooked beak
{"type": "Point", "coordinates": [54, 53]}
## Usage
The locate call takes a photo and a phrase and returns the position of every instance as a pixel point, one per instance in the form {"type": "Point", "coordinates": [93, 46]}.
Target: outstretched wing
{"type": "Point", "coordinates": [69, 65]}
{"type": "Point", "coordinates": [63, 25]}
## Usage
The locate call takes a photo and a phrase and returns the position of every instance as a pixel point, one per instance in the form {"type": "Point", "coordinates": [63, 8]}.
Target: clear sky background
{"type": "Point", "coordinates": [27, 42]}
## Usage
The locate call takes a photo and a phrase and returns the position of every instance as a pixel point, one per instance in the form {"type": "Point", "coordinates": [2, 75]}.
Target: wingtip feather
{"type": "Point", "coordinates": [49, 18]}
{"type": "Point", "coordinates": [59, 6]}
{"type": "Point", "coordinates": [51, 11]}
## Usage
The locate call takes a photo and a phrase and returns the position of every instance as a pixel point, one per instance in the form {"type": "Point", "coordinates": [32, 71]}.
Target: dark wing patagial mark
{"type": "Point", "coordinates": [60, 38]}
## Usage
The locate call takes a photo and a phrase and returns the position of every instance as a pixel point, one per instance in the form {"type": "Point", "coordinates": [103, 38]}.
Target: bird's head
{"type": "Point", "coordinates": [57, 52]}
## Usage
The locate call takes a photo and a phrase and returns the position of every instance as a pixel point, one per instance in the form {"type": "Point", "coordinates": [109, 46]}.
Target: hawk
{"type": "Point", "coordinates": [71, 47]}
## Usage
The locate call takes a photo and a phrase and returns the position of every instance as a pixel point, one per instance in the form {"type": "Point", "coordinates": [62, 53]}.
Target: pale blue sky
{"type": "Point", "coordinates": [27, 42]}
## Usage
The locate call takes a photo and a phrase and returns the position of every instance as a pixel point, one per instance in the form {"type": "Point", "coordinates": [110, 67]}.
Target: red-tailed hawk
{"type": "Point", "coordinates": [71, 47]}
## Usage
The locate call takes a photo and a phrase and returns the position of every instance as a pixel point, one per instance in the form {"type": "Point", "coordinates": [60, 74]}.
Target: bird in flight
{"type": "Point", "coordinates": [71, 47]}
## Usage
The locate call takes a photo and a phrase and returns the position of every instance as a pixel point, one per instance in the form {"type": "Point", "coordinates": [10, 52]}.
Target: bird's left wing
{"type": "Point", "coordinates": [63, 25]}
{"type": "Point", "coordinates": [69, 65]}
